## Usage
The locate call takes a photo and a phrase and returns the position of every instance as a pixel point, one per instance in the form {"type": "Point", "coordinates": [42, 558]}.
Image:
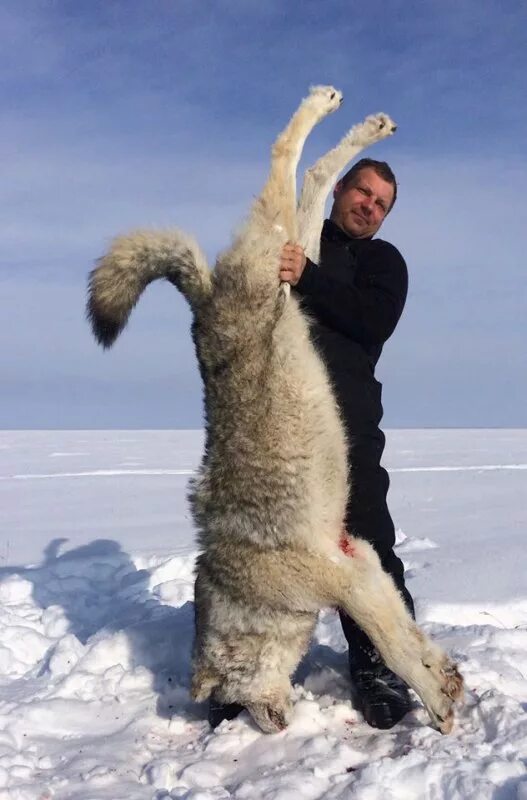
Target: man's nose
{"type": "Point", "coordinates": [367, 205]}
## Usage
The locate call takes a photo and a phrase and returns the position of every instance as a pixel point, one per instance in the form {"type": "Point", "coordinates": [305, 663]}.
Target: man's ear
{"type": "Point", "coordinates": [337, 189]}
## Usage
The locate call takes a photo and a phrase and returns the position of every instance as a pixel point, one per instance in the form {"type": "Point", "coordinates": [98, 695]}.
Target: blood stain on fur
{"type": "Point", "coordinates": [346, 545]}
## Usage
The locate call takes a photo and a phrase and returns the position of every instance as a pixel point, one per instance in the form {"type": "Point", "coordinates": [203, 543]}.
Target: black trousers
{"type": "Point", "coordinates": [367, 517]}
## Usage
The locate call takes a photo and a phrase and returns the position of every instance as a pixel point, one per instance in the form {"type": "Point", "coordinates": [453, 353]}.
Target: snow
{"type": "Point", "coordinates": [96, 620]}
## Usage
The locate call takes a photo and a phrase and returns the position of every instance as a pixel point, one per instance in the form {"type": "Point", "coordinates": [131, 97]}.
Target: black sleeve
{"type": "Point", "coordinates": [365, 305]}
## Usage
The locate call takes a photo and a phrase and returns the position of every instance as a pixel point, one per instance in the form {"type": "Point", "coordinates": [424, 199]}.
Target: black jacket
{"type": "Point", "coordinates": [355, 297]}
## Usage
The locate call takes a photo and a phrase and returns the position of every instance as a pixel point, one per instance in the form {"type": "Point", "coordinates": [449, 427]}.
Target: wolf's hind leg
{"type": "Point", "coordinates": [276, 204]}
{"type": "Point", "coordinates": [320, 178]}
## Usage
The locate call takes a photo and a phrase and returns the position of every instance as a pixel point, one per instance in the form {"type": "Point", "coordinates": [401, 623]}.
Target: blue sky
{"type": "Point", "coordinates": [118, 114]}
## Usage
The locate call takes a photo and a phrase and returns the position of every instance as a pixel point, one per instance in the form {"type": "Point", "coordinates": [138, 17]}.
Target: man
{"type": "Point", "coordinates": [356, 295]}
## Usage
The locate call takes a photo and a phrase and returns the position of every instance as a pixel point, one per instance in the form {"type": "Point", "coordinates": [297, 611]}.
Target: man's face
{"type": "Point", "coordinates": [359, 208]}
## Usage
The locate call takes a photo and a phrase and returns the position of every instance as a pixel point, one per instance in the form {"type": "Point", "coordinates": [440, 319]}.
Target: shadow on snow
{"type": "Point", "coordinates": [102, 592]}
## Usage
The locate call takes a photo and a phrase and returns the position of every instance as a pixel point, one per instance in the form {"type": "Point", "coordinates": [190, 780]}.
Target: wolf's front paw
{"type": "Point", "coordinates": [374, 128]}
{"type": "Point", "coordinates": [271, 717]}
{"type": "Point", "coordinates": [450, 690]}
{"type": "Point", "coordinates": [324, 99]}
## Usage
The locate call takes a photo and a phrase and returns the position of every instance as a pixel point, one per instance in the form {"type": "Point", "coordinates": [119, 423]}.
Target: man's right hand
{"type": "Point", "coordinates": [292, 263]}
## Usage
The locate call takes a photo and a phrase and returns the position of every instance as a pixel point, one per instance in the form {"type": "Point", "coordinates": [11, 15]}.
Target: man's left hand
{"type": "Point", "coordinates": [292, 263]}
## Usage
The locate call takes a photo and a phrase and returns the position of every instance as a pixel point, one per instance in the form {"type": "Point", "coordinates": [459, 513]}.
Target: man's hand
{"type": "Point", "coordinates": [292, 263]}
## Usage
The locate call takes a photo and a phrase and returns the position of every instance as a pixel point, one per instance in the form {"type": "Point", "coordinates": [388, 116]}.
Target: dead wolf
{"type": "Point", "coordinates": [269, 498]}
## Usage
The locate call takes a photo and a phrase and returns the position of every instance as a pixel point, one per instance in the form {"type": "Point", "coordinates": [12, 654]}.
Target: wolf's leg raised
{"type": "Point", "coordinates": [277, 201]}
{"type": "Point", "coordinates": [272, 220]}
{"type": "Point", "coordinates": [320, 178]}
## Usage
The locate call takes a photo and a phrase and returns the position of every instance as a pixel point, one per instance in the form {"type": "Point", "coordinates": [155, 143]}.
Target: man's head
{"type": "Point", "coordinates": [363, 198]}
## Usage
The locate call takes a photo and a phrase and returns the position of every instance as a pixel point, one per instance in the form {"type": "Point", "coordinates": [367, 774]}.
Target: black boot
{"type": "Point", "coordinates": [377, 692]}
{"type": "Point", "coordinates": [219, 711]}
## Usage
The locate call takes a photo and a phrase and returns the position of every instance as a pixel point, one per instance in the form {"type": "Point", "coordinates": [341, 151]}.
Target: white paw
{"type": "Point", "coordinates": [271, 718]}
{"type": "Point", "coordinates": [449, 690]}
{"type": "Point", "coordinates": [374, 128]}
{"type": "Point", "coordinates": [324, 99]}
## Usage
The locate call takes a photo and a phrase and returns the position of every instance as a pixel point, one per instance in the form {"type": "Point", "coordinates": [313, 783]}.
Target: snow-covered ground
{"type": "Point", "coordinates": [96, 559]}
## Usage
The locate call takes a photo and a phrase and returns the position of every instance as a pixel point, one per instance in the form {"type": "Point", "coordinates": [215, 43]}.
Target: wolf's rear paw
{"type": "Point", "coordinates": [374, 128]}
{"type": "Point", "coordinates": [324, 99]}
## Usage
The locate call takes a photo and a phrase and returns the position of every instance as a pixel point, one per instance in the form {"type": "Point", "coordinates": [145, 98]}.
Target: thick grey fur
{"type": "Point", "coordinates": [271, 493]}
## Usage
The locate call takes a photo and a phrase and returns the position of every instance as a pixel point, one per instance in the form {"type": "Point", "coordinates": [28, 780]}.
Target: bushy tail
{"type": "Point", "coordinates": [133, 261]}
